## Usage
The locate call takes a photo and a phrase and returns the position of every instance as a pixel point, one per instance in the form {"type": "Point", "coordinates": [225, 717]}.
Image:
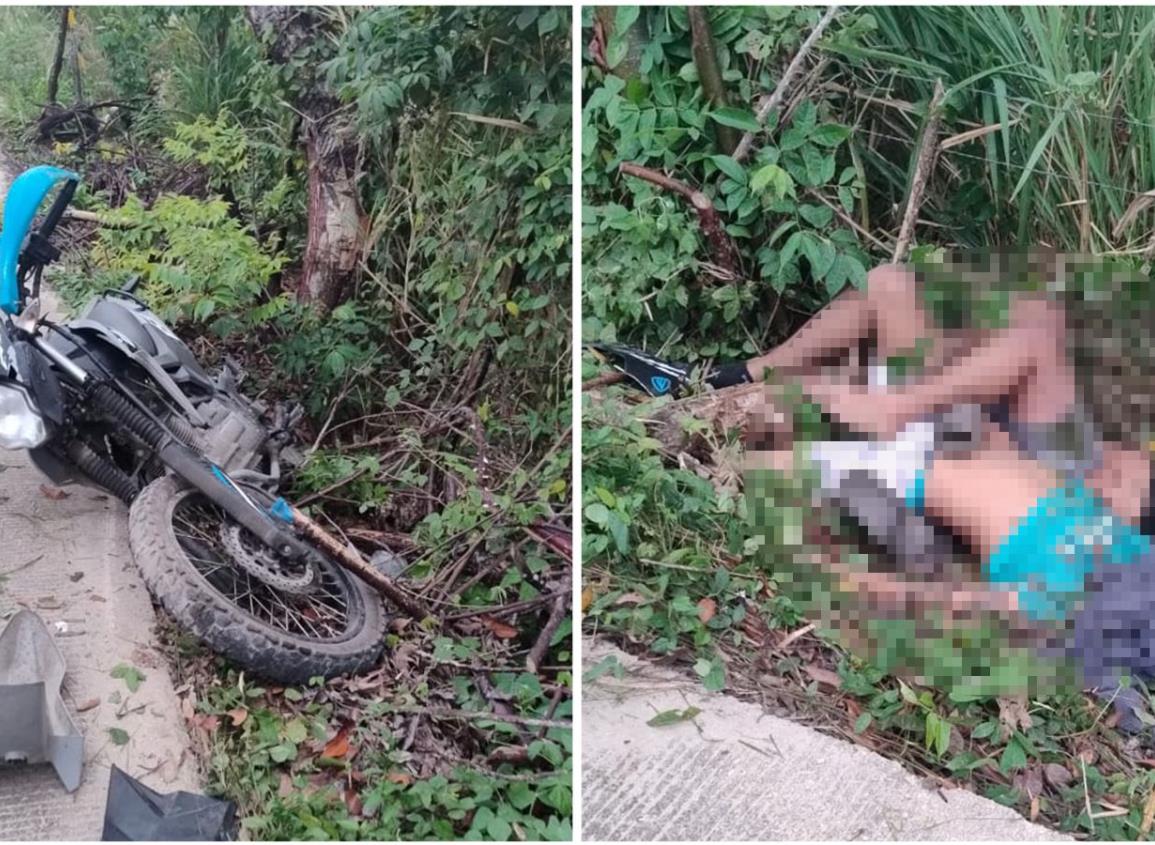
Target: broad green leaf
{"type": "Point", "coordinates": [942, 740]}
{"type": "Point", "coordinates": [715, 679]}
{"type": "Point", "coordinates": [736, 118]}
{"type": "Point", "coordinates": [1013, 757]}
{"type": "Point", "coordinates": [790, 248]}
{"type": "Point", "coordinates": [597, 513]}
{"type": "Point", "coordinates": [820, 165]}
{"type": "Point", "coordinates": [805, 117]}
{"type": "Point", "coordinates": [846, 197]}
{"type": "Point", "coordinates": [129, 674]}
{"type": "Point", "coordinates": [830, 134]}
{"type": "Point", "coordinates": [908, 695]}
{"type": "Point", "coordinates": [930, 733]}
{"type": "Point", "coordinates": [616, 50]}
{"type": "Point", "coordinates": [625, 16]}
{"type": "Point", "coordinates": [548, 22]}
{"type": "Point", "coordinates": [673, 717]}
{"type": "Point", "coordinates": [818, 216]}
{"type": "Point", "coordinates": [119, 736]}
{"type": "Point", "coordinates": [730, 167]}
{"type": "Point", "coordinates": [819, 252]}
{"type": "Point", "coordinates": [773, 177]}
{"type": "Point", "coordinates": [295, 731]}
{"type": "Point", "coordinates": [791, 139]}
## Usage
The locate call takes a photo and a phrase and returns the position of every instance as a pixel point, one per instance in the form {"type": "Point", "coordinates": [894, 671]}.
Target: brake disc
{"type": "Point", "coordinates": [264, 564]}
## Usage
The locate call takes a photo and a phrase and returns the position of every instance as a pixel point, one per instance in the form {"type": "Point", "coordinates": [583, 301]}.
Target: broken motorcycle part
{"type": "Point", "coordinates": [34, 723]}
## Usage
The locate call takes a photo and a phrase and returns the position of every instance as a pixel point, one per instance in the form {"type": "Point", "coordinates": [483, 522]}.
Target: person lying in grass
{"type": "Point", "coordinates": [1060, 519]}
{"type": "Point", "coordinates": [1071, 557]}
{"type": "Point", "coordinates": [1019, 375]}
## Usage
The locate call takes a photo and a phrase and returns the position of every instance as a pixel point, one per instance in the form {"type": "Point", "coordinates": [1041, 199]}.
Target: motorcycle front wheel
{"type": "Point", "coordinates": [277, 621]}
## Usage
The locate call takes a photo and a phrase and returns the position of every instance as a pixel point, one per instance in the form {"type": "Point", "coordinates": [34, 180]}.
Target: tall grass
{"type": "Point", "coordinates": [1073, 89]}
{"type": "Point", "coordinates": [29, 38]}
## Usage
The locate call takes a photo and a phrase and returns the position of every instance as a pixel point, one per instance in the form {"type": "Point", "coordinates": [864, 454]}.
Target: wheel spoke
{"type": "Point", "coordinates": [321, 614]}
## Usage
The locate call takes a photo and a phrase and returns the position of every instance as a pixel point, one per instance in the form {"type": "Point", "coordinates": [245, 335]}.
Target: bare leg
{"type": "Point", "coordinates": [887, 308]}
{"type": "Point", "coordinates": [1026, 363]}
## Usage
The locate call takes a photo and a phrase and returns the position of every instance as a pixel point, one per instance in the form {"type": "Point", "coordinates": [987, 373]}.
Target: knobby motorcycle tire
{"type": "Point", "coordinates": [248, 642]}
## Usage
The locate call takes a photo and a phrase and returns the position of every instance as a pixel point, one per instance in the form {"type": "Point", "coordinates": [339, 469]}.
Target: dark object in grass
{"type": "Point", "coordinates": [908, 538]}
{"type": "Point", "coordinates": [135, 813]}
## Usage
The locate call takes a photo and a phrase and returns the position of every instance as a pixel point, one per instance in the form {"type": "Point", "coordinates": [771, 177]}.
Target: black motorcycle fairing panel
{"type": "Point", "coordinates": [36, 374]}
{"type": "Point", "coordinates": [98, 358]}
{"type": "Point", "coordinates": [59, 471]}
{"type": "Point", "coordinates": [133, 322]}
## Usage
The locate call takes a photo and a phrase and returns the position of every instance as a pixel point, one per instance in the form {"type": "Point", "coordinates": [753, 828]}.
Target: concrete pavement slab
{"type": "Point", "coordinates": [738, 773]}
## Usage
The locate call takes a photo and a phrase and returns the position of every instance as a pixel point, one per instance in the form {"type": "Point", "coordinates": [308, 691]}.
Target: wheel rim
{"type": "Point", "coordinates": [325, 614]}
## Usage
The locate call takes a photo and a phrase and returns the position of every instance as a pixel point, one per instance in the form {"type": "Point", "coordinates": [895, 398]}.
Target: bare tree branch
{"type": "Point", "coordinates": [775, 99]}
{"type": "Point", "coordinates": [928, 148]}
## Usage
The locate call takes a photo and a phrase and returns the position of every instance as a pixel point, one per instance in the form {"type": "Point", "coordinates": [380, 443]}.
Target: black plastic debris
{"type": "Point", "coordinates": [135, 813]}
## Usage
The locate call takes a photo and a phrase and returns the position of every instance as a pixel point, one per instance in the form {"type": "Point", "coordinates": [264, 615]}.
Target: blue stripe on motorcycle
{"type": "Point", "coordinates": [221, 477]}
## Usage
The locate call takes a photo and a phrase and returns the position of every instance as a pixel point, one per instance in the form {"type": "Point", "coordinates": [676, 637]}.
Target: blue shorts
{"type": "Point", "coordinates": [1067, 537]}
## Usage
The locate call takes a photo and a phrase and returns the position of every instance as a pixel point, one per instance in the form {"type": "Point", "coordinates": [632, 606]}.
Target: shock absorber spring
{"type": "Point", "coordinates": [103, 472]}
{"type": "Point", "coordinates": [111, 404]}
{"type": "Point", "coordinates": [183, 429]}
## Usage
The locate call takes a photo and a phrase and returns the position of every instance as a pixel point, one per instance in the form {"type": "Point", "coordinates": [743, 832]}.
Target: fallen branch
{"type": "Point", "coordinates": [498, 610]}
{"type": "Point", "coordinates": [924, 165]}
{"type": "Point", "coordinates": [604, 380]}
{"type": "Point", "coordinates": [561, 607]}
{"type": "Point", "coordinates": [557, 538]}
{"type": "Point", "coordinates": [99, 219]}
{"type": "Point", "coordinates": [352, 560]}
{"type": "Point", "coordinates": [775, 99]}
{"type": "Point", "coordinates": [722, 249]}
{"type": "Point", "coordinates": [720, 410]}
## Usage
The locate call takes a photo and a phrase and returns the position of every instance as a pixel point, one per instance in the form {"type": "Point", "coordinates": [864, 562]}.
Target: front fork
{"type": "Point", "coordinates": [270, 526]}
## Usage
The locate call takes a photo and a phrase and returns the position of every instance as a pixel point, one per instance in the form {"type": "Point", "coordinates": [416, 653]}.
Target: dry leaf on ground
{"type": "Point", "coordinates": [500, 629]}
{"type": "Point", "coordinates": [706, 610]}
{"type": "Point", "coordinates": [823, 676]}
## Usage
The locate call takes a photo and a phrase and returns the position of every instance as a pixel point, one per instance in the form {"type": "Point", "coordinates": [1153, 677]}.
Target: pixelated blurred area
{"type": "Point", "coordinates": [833, 554]}
{"type": "Point", "coordinates": [934, 185]}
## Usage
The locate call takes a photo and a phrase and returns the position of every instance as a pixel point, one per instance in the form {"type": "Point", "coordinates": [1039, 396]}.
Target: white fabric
{"type": "Point", "coordinates": [895, 462]}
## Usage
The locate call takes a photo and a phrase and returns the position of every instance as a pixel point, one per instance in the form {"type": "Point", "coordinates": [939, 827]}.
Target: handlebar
{"type": "Point", "coordinates": [52, 219]}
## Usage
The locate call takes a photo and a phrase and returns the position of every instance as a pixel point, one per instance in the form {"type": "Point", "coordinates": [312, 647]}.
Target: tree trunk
{"type": "Point", "coordinates": [336, 227]}
{"type": "Point", "coordinates": [709, 74]}
{"type": "Point", "coordinates": [336, 221]}
{"type": "Point", "coordinates": [74, 68]}
{"type": "Point", "coordinates": [58, 58]}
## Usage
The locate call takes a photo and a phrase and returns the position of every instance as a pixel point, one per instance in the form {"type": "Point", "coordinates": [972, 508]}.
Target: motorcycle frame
{"type": "Point", "coordinates": [183, 460]}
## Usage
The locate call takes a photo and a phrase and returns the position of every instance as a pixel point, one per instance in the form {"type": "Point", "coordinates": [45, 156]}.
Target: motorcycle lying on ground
{"type": "Point", "coordinates": [113, 399]}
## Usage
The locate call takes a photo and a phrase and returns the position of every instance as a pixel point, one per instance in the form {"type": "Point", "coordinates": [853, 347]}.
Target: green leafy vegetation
{"type": "Point", "coordinates": [671, 566]}
{"type": "Point", "coordinates": [435, 375]}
